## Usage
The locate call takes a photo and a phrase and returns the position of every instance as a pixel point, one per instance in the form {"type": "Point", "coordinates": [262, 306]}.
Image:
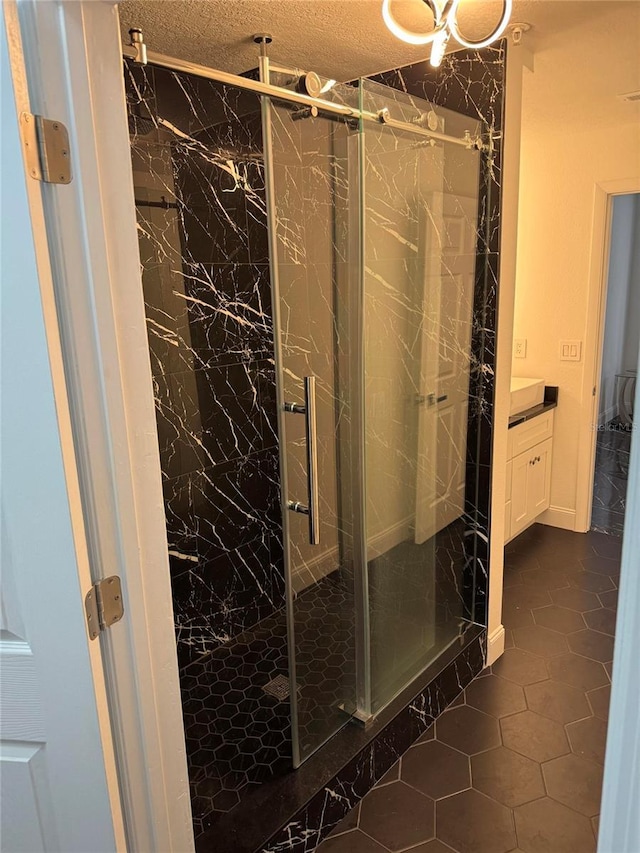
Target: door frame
{"type": "Point", "coordinates": [604, 193]}
{"type": "Point", "coordinates": [66, 64]}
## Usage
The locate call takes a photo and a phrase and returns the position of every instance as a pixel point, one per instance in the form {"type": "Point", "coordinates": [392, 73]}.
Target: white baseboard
{"type": "Point", "coordinates": [558, 516]}
{"type": "Point", "coordinates": [389, 538]}
{"type": "Point", "coordinates": [311, 571]}
{"type": "Point", "coordinates": [495, 645]}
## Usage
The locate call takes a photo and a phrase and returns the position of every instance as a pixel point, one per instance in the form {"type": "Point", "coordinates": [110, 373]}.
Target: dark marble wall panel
{"type": "Point", "coordinates": [199, 183]}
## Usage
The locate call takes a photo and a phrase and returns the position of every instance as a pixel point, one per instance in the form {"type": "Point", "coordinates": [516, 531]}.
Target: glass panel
{"type": "Point", "coordinates": [420, 213]}
{"type": "Point", "coordinates": [315, 185]}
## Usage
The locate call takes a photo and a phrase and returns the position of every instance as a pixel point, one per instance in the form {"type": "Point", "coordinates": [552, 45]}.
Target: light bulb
{"type": "Point", "coordinates": [438, 48]}
{"type": "Point", "coordinates": [452, 23]}
{"type": "Point", "coordinates": [445, 14]}
{"type": "Point", "coordinates": [406, 35]}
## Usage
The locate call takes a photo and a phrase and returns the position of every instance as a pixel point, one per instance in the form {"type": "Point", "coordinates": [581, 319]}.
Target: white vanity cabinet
{"type": "Point", "coordinates": [528, 472]}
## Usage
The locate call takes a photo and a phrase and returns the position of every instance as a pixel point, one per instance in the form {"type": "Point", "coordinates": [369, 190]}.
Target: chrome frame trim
{"type": "Point", "coordinates": [261, 87]}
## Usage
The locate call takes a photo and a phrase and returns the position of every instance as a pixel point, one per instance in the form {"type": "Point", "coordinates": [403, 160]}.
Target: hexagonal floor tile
{"type": "Point", "coordinates": [559, 619]}
{"type": "Point", "coordinates": [591, 581]}
{"type": "Point", "coordinates": [511, 578]}
{"type": "Point", "coordinates": [609, 598]}
{"type": "Point", "coordinates": [602, 565]}
{"type": "Point", "coordinates": [558, 701]}
{"type": "Point", "coordinates": [603, 620]}
{"type": "Point", "coordinates": [544, 579]}
{"type": "Point", "coordinates": [526, 597]}
{"type": "Point", "coordinates": [433, 846]}
{"type": "Point", "coordinates": [545, 826]}
{"type": "Point", "coordinates": [592, 644]}
{"type": "Point", "coordinates": [397, 816]}
{"type": "Point", "coordinates": [468, 730]}
{"type": "Point", "coordinates": [606, 545]}
{"type": "Point", "coordinates": [540, 641]}
{"type": "Point", "coordinates": [520, 667]}
{"type": "Point", "coordinates": [472, 823]}
{"type": "Point", "coordinates": [507, 776]}
{"type": "Point", "coordinates": [354, 841]}
{"type": "Point", "coordinates": [436, 770]}
{"type": "Point", "coordinates": [599, 700]}
{"type": "Point", "coordinates": [496, 696]}
{"type": "Point", "coordinates": [579, 600]}
{"type": "Point", "coordinates": [588, 738]}
{"type": "Point", "coordinates": [536, 737]}
{"type": "Point", "coordinates": [578, 671]}
{"type": "Point", "coordinates": [575, 782]}
{"type": "Point", "coordinates": [514, 616]}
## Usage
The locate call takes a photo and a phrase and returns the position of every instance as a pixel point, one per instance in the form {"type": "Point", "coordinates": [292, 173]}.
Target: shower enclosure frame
{"type": "Point", "coordinates": [271, 93]}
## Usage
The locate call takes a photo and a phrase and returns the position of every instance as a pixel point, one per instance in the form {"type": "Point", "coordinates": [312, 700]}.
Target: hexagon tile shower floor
{"type": "Point", "coordinates": [515, 765]}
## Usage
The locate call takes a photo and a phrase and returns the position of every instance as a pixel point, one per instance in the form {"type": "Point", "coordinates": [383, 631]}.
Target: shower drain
{"type": "Point", "coordinates": [278, 687]}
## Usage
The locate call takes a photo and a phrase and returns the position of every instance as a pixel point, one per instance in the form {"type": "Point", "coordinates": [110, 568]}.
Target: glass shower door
{"type": "Point", "coordinates": [314, 176]}
{"type": "Point", "coordinates": [420, 201]}
{"type": "Point", "coordinates": [373, 231]}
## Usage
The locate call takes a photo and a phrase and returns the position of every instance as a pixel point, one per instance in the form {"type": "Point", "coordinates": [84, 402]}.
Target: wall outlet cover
{"type": "Point", "coordinates": [520, 348]}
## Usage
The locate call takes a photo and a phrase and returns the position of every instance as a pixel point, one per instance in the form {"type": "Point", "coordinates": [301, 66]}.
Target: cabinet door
{"type": "Point", "coordinates": [539, 485]}
{"type": "Point", "coordinates": [520, 514]}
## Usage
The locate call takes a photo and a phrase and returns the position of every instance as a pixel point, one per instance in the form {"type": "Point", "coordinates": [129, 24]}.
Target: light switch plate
{"type": "Point", "coordinates": [570, 350]}
{"type": "Point", "coordinates": [520, 348]}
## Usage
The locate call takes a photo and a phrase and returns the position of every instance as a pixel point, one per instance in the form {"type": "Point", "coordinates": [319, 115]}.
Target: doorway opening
{"type": "Point", "coordinates": [618, 371]}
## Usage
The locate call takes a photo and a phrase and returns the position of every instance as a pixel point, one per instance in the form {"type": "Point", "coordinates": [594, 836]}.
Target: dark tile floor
{"type": "Point", "coordinates": [515, 765]}
{"type": "Point", "coordinates": [613, 446]}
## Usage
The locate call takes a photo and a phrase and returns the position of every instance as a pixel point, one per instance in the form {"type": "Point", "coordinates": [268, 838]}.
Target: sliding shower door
{"type": "Point", "coordinates": [373, 233]}
{"type": "Point", "coordinates": [419, 231]}
{"type": "Point", "coordinates": [314, 184]}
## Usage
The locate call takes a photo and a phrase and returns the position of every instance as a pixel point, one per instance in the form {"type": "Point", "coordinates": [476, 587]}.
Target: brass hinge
{"type": "Point", "coordinates": [46, 145]}
{"type": "Point", "coordinates": [103, 605]}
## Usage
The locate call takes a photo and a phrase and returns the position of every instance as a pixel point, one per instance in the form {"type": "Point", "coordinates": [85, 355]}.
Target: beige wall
{"type": "Point", "coordinates": [575, 135]}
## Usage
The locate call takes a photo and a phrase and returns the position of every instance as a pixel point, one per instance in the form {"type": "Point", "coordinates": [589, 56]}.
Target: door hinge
{"type": "Point", "coordinates": [103, 605]}
{"type": "Point", "coordinates": [46, 145]}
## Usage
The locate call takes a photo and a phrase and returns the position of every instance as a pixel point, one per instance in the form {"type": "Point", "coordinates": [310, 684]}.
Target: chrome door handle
{"type": "Point", "coordinates": [430, 399]}
{"type": "Point", "coordinates": [311, 509]}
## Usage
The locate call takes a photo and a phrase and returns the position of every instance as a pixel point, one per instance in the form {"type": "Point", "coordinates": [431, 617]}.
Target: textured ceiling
{"type": "Point", "coordinates": [342, 39]}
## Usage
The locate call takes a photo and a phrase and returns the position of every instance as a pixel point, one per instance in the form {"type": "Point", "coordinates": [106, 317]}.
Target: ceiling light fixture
{"type": "Point", "coordinates": [445, 18]}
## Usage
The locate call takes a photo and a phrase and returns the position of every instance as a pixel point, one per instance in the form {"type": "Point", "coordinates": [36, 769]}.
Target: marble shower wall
{"type": "Point", "coordinates": [199, 184]}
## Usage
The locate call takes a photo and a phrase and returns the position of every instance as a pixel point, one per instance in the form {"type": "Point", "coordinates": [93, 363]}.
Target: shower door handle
{"type": "Point", "coordinates": [309, 411]}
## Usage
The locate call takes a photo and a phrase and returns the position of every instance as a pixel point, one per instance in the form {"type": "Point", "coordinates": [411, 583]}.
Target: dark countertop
{"type": "Point", "coordinates": [550, 402]}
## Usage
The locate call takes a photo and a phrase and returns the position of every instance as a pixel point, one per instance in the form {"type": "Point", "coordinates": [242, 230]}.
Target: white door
{"type": "Point", "coordinates": [59, 790]}
{"type": "Point", "coordinates": [449, 264]}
